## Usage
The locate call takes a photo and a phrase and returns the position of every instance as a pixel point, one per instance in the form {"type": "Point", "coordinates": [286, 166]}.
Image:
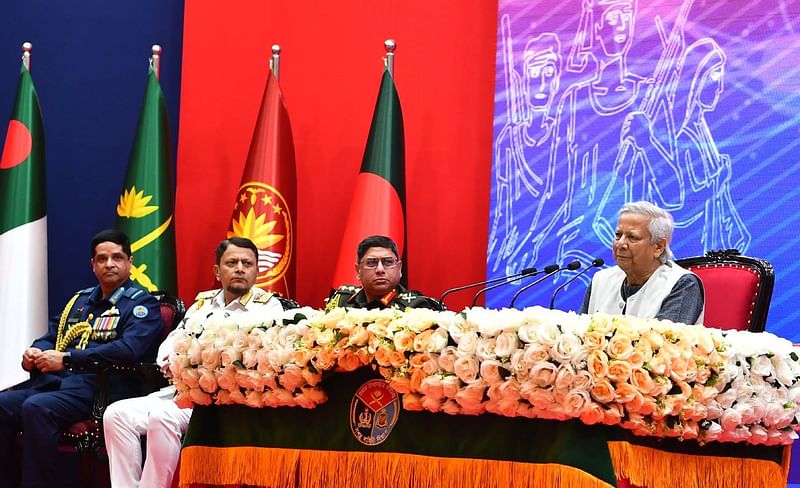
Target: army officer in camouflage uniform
{"type": "Point", "coordinates": [379, 268]}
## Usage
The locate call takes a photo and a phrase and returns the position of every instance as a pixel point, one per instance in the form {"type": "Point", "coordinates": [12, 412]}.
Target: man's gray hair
{"type": "Point", "coordinates": [661, 224]}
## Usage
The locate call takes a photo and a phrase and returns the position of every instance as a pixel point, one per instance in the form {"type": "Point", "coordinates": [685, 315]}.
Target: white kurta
{"type": "Point", "coordinates": [646, 303]}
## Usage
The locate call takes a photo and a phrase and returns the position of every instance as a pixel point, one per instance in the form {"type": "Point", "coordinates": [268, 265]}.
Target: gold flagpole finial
{"type": "Point", "coordinates": [275, 61]}
{"type": "Point", "coordinates": [388, 61]}
{"type": "Point", "coordinates": [27, 47]}
{"type": "Point", "coordinates": [155, 60]}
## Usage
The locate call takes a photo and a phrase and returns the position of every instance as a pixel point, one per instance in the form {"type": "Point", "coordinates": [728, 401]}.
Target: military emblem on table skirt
{"type": "Point", "coordinates": [262, 215]}
{"type": "Point", "coordinates": [373, 412]}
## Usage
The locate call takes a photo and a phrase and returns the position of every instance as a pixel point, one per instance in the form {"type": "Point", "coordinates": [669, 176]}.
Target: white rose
{"type": "Point", "coordinates": [468, 344]}
{"type": "Point", "coordinates": [485, 348]}
{"type": "Point", "coordinates": [761, 366]}
{"type": "Point", "coordinates": [438, 340]}
{"type": "Point", "coordinates": [507, 343]}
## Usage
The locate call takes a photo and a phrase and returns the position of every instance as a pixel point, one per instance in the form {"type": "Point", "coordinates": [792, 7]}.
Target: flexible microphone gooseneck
{"type": "Point", "coordinates": [524, 272]}
{"type": "Point", "coordinates": [594, 264]}
{"type": "Point", "coordinates": [571, 266]}
{"type": "Point", "coordinates": [530, 272]}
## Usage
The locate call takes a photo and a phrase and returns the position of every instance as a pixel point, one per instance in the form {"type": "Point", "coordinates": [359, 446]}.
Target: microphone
{"type": "Point", "coordinates": [594, 264]}
{"type": "Point", "coordinates": [571, 266]}
{"type": "Point", "coordinates": [509, 279]}
{"type": "Point", "coordinates": [522, 273]}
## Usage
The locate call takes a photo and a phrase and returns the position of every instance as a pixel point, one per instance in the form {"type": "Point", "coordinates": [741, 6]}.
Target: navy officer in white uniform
{"type": "Point", "coordinates": [156, 416]}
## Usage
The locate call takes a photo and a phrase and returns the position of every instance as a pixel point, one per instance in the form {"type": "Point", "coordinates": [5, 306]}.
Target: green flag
{"type": "Point", "coordinates": [23, 232]}
{"type": "Point", "coordinates": [145, 209]}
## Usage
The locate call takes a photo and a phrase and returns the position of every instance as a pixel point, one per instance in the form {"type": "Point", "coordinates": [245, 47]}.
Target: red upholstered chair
{"type": "Point", "coordinates": [85, 438]}
{"type": "Point", "coordinates": [738, 289]}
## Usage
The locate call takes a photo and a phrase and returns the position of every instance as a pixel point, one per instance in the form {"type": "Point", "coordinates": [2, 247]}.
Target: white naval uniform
{"type": "Point", "coordinates": [156, 415]}
{"type": "Point", "coordinates": [646, 303]}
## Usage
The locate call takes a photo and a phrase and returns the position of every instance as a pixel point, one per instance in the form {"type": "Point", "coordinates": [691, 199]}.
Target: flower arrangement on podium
{"type": "Point", "coordinates": [655, 378]}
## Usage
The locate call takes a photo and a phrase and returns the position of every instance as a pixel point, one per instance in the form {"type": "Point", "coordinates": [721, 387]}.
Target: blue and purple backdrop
{"type": "Point", "coordinates": [689, 104]}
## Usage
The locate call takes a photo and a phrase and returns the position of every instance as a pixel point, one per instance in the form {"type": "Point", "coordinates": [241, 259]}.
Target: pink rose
{"type": "Point", "coordinates": [490, 370]}
{"type": "Point", "coordinates": [450, 407]}
{"type": "Point", "coordinates": [400, 384]}
{"type": "Point", "coordinates": [431, 404]}
{"type": "Point", "coordinates": [466, 368]}
{"type": "Point", "coordinates": [191, 378]}
{"type": "Point", "coordinates": [291, 378]}
{"type": "Point", "coordinates": [447, 359]}
{"type": "Point", "coordinates": [199, 397]}
{"type": "Point", "coordinates": [592, 414]}
{"type": "Point", "coordinates": [450, 386]}
{"type": "Point", "coordinates": [603, 392]}
{"type": "Point", "coordinates": [575, 402]}
{"type": "Point", "coordinates": [412, 402]}
{"type": "Point", "coordinates": [210, 358]}
{"type": "Point", "coordinates": [431, 387]}
{"type": "Point", "coordinates": [543, 374]}
{"type": "Point", "coordinates": [207, 381]}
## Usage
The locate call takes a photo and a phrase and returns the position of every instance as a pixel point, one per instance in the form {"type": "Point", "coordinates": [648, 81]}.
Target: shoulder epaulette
{"type": "Point", "coordinates": [85, 291]}
{"type": "Point", "coordinates": [133, 293]}
{"type": "Point", "coordinates": [339, 297]}
{"type": "Point", "coordinates": [206, 295]}
{"type": "Point", "coordinates": [349, 289]}
{"type": "Point", "coordinates": [263, 297]}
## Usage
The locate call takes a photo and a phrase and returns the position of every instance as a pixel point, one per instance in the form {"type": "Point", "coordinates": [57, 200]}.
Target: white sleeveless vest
{"type": "Point", "coordinates": [645, 303]}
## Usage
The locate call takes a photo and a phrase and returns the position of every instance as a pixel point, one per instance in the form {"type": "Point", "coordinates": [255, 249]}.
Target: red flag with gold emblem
{"type": "Point", "coordinates": [266, 203]}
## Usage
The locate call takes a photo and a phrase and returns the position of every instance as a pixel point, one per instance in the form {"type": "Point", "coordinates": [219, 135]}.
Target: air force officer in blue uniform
{"type": "Point", "coordinates": [111, 322]}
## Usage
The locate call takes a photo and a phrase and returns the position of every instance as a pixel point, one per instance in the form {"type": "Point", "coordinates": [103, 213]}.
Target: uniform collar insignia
{"type": "Point", "coordinates": [387, 299]}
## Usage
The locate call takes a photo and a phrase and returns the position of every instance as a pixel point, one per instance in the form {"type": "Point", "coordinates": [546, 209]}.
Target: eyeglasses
{"type": "Point", "coordinates": [372, 263]}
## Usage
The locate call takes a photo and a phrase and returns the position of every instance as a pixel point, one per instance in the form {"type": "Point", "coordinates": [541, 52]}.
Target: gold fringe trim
{"type": "Point", "coordinates": [652, 468]}
{"type": "Point", "coordinates": [295, 468]}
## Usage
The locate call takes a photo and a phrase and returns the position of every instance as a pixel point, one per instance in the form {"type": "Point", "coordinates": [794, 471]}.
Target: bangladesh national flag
{"type": "Point", "coordinates": [145, 209]}
{"type": "Point", "coordinates": [23, 233]}
{"type": "Point", "coordinates": [265, 205]}
{"type": "Point", "coordinates": [378, 205]}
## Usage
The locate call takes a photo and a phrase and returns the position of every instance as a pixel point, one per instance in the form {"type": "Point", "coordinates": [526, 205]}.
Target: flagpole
{"type": "Point", "coordinates": [275, 61]}
{"type": "Point", "coordinates": [155, 60]}
{"type": "Point", "coordinates": [27, 47]}
{"type": "Point", "coordinates": [388, 61]}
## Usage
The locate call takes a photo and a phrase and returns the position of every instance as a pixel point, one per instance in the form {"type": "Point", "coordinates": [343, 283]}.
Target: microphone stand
{"type": "Point", "coordinates": [571, 266]}
{"type": "Point", "coordinates": [524, 272]}
{"type": "Point", "coordinates": [594, 264]}
{"type": "Point", "coordinates": [510, 279]}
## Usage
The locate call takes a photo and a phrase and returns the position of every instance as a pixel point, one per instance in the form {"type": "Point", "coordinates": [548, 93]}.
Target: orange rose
{"type": "Point", "coordinates": [641, 379]}
{"type": "Point", "coordinates": [620, 346]}
{"type": "Point", "coordinates": [603, 392]}
{"type": "Point", "coordinates": [597, 364]}
{"type": "Point", "coordinates": [348, 361]}
{"type": "Point", "coordinates": [417, 375]}
{"type": "Point", "coordinates": [403, 340]}
{"type": "Point", "coordinates": [397, 359]}
{"type": "Point", "coordinates": [382, 356]}
{"type": "Point", "coordinates": [619, 371]}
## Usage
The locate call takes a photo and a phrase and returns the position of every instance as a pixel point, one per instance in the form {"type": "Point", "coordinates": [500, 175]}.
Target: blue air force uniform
{"type": "Point", "coordinates": [123, 328]}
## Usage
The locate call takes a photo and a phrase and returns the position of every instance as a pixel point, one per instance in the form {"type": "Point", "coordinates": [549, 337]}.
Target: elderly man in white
{"type": "Point", "coordinates": [646, 282]}
{"type": "Point", "coordinates": [156, 415]}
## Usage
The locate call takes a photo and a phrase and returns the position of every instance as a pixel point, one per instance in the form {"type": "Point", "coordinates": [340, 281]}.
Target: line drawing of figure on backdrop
{"type": "Point", "coordinates": [524, 167]}
{"type": "Point", "coordinates": [590, 113]}
{"type": "Point", "coordinates": [676, 163]}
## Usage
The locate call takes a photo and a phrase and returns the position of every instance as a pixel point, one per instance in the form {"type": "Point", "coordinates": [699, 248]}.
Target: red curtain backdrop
{"type": "Point", "coordinates": [330, 72]}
